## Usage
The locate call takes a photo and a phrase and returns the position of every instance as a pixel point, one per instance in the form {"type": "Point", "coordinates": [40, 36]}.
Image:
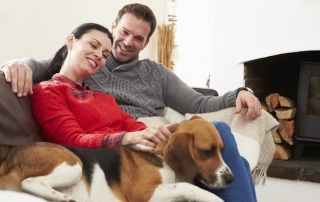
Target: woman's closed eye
{"type": "Point", "coordinates": [93, 46]}
{"type": "Point", "coordinates": [105, 54]}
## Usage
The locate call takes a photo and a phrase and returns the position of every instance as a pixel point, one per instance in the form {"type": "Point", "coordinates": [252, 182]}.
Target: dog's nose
{"type": "Point", "coordinates": [228, 177]}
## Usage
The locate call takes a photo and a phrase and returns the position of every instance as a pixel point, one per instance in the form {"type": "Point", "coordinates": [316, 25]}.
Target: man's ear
{"type": "Point", "coordinates": [145, 44]}
{"type": "Point", "coordinates": [70, 41]}
{"type": "Point", "coordinates": [113, 26]}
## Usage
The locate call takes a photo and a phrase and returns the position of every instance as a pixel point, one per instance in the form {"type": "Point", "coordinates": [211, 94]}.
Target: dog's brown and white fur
{"type": "Point", "coordinates": [125, 173]}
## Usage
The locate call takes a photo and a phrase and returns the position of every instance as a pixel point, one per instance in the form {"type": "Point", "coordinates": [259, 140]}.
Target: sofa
{"type": "Point", "coordinates": [254, 138]}
{"type": "Point", "coordinates": [17, 125]}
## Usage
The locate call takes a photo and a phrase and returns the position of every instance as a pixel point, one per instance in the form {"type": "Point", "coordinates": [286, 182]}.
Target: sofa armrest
{"type": "Point", "coordinates": [17, 125]}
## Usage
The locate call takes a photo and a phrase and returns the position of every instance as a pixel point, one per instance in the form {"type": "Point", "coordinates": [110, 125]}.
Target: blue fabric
{"type": "Point", "coordinates": [242, 188]}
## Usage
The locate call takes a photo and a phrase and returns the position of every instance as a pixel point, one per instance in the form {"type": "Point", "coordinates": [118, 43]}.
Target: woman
{"type": "Point", "coordinates": [68, 112]}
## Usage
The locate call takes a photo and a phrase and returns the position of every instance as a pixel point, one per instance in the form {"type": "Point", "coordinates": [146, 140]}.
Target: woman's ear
{"type": "Point", "coordinates": [69, 41]}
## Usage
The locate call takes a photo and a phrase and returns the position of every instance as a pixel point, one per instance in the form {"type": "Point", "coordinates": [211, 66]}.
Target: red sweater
{"type": "Point", "coordinates": [70, 114]}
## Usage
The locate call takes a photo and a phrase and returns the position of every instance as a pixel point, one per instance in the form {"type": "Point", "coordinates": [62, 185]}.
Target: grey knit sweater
{"type": "Point", "coordinates": [144, 88]}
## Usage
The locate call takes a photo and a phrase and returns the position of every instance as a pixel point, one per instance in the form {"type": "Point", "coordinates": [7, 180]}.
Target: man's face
{"type": "Point", "coordinates": [130, 37]}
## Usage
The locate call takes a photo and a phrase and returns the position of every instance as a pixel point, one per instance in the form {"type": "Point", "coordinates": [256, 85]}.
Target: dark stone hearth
{"type": "Point", "coordinates": [306, 168]}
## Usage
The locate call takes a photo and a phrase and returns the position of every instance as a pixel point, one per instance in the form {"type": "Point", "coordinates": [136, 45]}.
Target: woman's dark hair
{"type": "Point", "coordinates": [58, 59]}
{"type": "Point", "coordinates": [141, 12]}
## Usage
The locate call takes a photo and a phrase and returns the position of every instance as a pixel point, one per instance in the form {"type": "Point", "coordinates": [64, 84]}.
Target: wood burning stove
{"type": "Point", "coordinates": [308, 107]}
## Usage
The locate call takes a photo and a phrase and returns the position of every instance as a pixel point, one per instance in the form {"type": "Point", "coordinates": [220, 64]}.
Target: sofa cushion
{"type": "Point", "coordinates": [17, 125]}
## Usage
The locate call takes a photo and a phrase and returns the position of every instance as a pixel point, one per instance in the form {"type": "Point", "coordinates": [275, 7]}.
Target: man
{"type": "Point", "coordinates": [143, 88]}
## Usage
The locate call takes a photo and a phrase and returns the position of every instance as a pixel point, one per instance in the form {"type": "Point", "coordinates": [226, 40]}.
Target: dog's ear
{"type": "Point", "coordinates": [196, 117]}
{"type": "Point", "coordinates": [161, 146]}
{"type": "Point", "coordinates": [177, 154]}
{"type": "Point", "coordinates": [173, 127]}
{"type": "Point", "coordinates": [4, 150]}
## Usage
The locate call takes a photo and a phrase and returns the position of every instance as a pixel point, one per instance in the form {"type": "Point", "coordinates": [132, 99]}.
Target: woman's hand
{"type": "Point", "coordinates": [150, 136]}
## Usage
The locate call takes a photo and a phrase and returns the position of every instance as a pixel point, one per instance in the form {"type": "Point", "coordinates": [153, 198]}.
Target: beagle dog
{"type": "Point", "coordinates": [125, 173]}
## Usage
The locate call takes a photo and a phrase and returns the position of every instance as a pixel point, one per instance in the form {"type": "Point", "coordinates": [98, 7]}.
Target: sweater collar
{"type": "Point", "coordinates": [113, 65]}
{"type": "Point", "coordinates": [69, 82]}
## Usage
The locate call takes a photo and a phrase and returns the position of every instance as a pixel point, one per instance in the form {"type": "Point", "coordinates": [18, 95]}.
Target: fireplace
{"type": "Point", "coordinates": [290, 75]}
{"type": "Point", "coordinates": [308, 116]}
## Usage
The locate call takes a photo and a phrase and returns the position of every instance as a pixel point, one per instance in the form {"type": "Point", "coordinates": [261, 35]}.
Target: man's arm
{"type": "Point", "coordinates": [184, 99]}
{"type": "Point", "coordinates": [22, 73]}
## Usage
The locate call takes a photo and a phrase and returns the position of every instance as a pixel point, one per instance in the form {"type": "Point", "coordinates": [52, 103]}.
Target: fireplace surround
{"type": "Point", "coordinates": [281, 74]}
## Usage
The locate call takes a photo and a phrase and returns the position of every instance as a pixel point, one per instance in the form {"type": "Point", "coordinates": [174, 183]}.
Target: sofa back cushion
{"type": "Point", "coordinates": [17, 125]}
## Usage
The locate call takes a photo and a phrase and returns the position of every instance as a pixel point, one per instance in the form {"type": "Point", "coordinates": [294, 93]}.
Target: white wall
{"type": "Point", "coordinates": [272, 27]}
{"type": "Point", "coordinates": [251, 29]}
{"type": "Point", "coordinates": [243, 30]}
{"type": "Point", "coordinates": [37, 28]}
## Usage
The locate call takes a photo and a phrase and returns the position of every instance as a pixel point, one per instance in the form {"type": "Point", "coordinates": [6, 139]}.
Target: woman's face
{"type": "Point", "coordinates": [88, 54]}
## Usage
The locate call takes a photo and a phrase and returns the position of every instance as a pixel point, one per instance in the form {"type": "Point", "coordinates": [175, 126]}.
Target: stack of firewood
{"type": "Point", "coordinates": [284, 110]}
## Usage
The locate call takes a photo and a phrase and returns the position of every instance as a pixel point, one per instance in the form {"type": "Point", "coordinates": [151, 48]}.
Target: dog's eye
{"type": "Point", "coordinates": [209, 153]}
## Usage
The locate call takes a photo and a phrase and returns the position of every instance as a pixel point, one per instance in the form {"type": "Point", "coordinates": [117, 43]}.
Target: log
{"type": "Point", "coordinates": [272, 101]}
{"type": "Point", "coordinates": [285, 102]}
{"type": "Point", "coordinates": [285, 113]}
{"type": "Point", "coordinates": [276, 136]}
{"type": "Point", "coordinates": [288, 126]}
{"type": "Point", "coordinates": [286, 137]}
{"type": "Point", "coordinates": [283, 152]}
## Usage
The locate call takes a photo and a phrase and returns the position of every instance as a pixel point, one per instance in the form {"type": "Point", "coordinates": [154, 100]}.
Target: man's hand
{"type": "Point", "coordinates": [20, 77]}
{"type": "Point", "coordinates": [247, 99]}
